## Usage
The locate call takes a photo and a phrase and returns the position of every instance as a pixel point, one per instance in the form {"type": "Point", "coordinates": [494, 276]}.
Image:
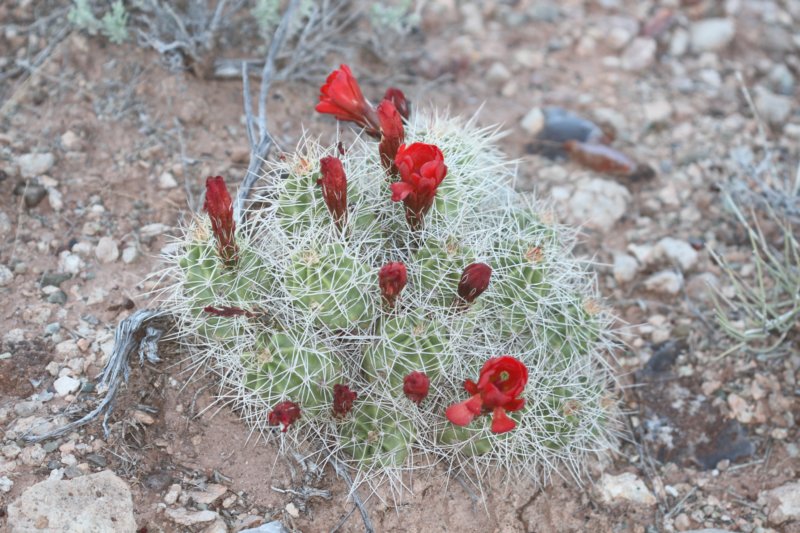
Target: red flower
{"type": "Point", "coordinates": [284, 414]}
{"type": "Point", "coordinates": [392, 279]}
{"type": "Point", "coordinates": [392, 134]}
{"type": "Point", "coordinates": [396, 96]}
{"type": "Point", "coordinates": [343, 399]}
{"type": "Point", "coordinates": [219, 207]}
{"type": "Point", "coordinates": [334, 188]}
{"type": "Point", "coordinates": [416, 386]}
{"type": "Point", "coordinates": [501, 381]}
{"type": "Point", "coordinates": [341, 97]}
{"type": "Point", "coordinates": [422, 169]}
{"type": "Point", "coordinates": [474, 281]}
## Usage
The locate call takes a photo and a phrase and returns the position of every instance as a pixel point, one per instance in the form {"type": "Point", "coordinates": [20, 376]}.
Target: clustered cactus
{"type": "Point", "coordinates": [397, 302]}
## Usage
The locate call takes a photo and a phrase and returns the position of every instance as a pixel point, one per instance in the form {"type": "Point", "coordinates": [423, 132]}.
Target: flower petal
{"type": "Point", "coordinates": [400, 191]}
{"type": "Point", "coordinates": [501, 423]}
{"type": "Point", "coordinates": [463, 413]}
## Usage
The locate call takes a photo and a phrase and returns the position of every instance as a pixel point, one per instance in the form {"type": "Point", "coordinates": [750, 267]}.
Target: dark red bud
{"type": "Point", "coordinates": [416, 386]}
{"type": "Point", "coordinates": [474, 281]}
{"type": "Point", "coordinates": [284, 414]}
{"type": "Point", "coordinates": [343, 399]}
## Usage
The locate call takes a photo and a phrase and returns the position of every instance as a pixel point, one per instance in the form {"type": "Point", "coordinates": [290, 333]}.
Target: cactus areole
{"type": "Point", "coordinates": [370, 283]}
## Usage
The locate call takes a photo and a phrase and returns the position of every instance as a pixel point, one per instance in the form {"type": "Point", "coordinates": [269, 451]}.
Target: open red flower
{"type": "Point", "coordinates": [416, 386]}
{"type": "Point", "coordinates": [396, 96]}
{"type": "Point", "coordinates": [392, 279]}
{"type": "Point", "coordinates": [219, 207]}
{"type": "Point", "coordinates": [474, 280]}
{"type": "Point", "coordinates": [501, 381]}
{"type": "Point", "coordinates": [343, 399]}
{"type": "Point", "coordinates": [422, 169]}
{"type": "Point", "coordinates": [392, 134]}
{"type": "Point", "coordinates": [341, 97]}
{"type": "Point", "coordinates": [334, 188]}
{"type": "Point", "coordinates": [284, 414]}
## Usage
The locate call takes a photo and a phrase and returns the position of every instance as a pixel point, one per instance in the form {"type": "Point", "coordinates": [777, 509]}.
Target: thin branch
{"type": "Point", "coordinates": [269, 65]}
{"type": "Point", "coordinates": [341, 471]}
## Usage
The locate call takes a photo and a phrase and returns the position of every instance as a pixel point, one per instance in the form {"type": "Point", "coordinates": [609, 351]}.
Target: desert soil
{"type": "Point", "coordinates": [124, 147]}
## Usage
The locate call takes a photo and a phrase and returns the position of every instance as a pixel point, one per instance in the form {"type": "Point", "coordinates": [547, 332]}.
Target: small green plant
{"type": "Point", "coordinates": [113, 24]}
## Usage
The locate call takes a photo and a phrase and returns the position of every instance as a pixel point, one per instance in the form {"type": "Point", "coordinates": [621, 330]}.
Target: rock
{"type": "Point", "coordinates": [5, 484]}
{"type": "Point", "coordinates": [33, 195]}
{"type": "Point", "coordinates": [677, 251]}
{"type": "Point", "coordinates": [153, 230]}
{"type": "Point", "coordinates": [55, 198]}
{"type": "Point", "coordinates": [106, 250]}
{"type": "Point", "coordinates": [561, 125]}
{"type": "Point", "coordinates": [57, 297]}
{"type": "Point", "coordinates": [679, 43]}
{"type": "Point", "coordinates": [701, 287]}
{"type": "Point", "coordinates": [33, 165]}
{"type": "Point", "coordinates": [11, 451]}
{"type": "Point", "coordinates": [167, 181]}
{"type": "Point", "coordinates": [70, 141]}
{"type": "Point", "coordinates": [33, 455]}
{"type": "Point", "coordinates": [212, 493]}
{"type": "Point", "coordinates": [172, 494]}
{"type": "Point", "coordinates": [657, 112]}
{"type": "Point", "coordinates": [66, 385]}
{"type": "Point", "coordinates": [740, 409]}
{"type": "Point", "coordinates": [599, 203]}
{"type": "Point", "coordinates": [69, 263]}
{"type": "Point", "coordinates": [292, 509]}
{"type": "Point", "coordinates": [271, 527]}
{"type": "Point", "coordinates": [533, 121]}
{"type": "Point", "coordinates": [26, 408]}
{"type": "Point", "coordinates": [667, 282]}
{"type": "Point", "coordinates": [711, 35]}
{"type": "Point", "coordinates": [218, 526]}
{"type": "Point", "coordinates": [184, 517]}
{"type": "Point", "coordinates": [498, 73]}
{"type": "Point", "coordinates": [96, 502]}
{"type": "Point", "coordinates": [53, 279]}
{"type": "Point", "coordinates": [129, 254]}
{"type": "Point", "coordinates": [639, 55]}
{"type": "Point", "coordinates": [6, 276]}
{"type": "Point", "coordinates": [625, 488]}
{"type": "Point", "coordinates": [783, 503]}
{"type": "Point", "coordinates": [625, 268]}
{"type": "Point", "coordinates": [781, 79]}
{"type": "Point", "coordinates": [773, 108]}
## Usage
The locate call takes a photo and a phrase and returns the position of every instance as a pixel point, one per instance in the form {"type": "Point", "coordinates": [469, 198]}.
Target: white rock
{"type": "Point", "coordinates": [95, 502]}
{"type": "Point", "coordinates": [106, 250]}
{"type": "Point", "coordinates": [667, 282]}
{"type": "Point", "coordinates": [5, 224]}
{"type": "Point", "coordinates": [167, 181]}
{"type": "Point", "coordinates": [32, 165]}
{"type": "Point", "coordinates": [657, 112]}
{"type": "Point", "coordinates": [14, 335]}
{"type": "Point", "coordinates": [70, 263]}
{"type": "Point", "coordinates": [498, 73]}
{"type": "Point", "coordinates": [217, 526]}
{"type": "Point", "coordinates": [271, 527]}
{"type": "Point", "coordinates": [212, 493]}
{"type": "Point", "coordinates": [773, 108]}
{"type": "Point", "coordinates": [679, 43]}
{"type": "Point", "coordinates": [625, 268]}
{"type": "Point", "coordinates": [783, 503]}
{"type": "Point", "coordinates": [678, 251]}
{"type": "Point", "coordinates": [184, 517]}
{"type": "Point", "coordinates": [533, 121]}
{"type": "Point", "coordinates": [129, 254]}
{"type": "Point", "coordinates": [33, 455]}
{"type": "Point", "coordinates": [172, 494]}
{"type": "Point", "coordinates": [5, 484]}
{"type": "Point", "coordinates": [55, 198]}
{"type": "Point", "coordinates": [153, 230]}
{"type": "Point", "coordinates": [6, 276]}
{"type": "Point", "coordinates": [70, 141]}
{"type": "Point", "coordinates": [292, 509]}
{"type": "Point", "coordinates": [66, 385]}
{"type": "Point", "coordinates": [711, 35]}
{"type": "Point", "coordinates": [639, 55]}
{"type": "Point", "coordinates": [625, 488]}
{"type": "Point", "coordinates": [599, 203]}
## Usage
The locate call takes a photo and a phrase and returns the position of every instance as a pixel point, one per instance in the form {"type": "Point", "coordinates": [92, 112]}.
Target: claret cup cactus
{"type": "Point", "coordinates": [395, 303]}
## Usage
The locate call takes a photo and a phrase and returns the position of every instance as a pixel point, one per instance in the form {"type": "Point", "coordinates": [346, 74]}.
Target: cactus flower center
{"type": "Point", "coordinates": [501, 381]}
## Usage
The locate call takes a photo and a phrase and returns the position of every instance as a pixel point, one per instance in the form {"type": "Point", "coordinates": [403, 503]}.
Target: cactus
{"type": "Point", "coordinates": [469, 270]}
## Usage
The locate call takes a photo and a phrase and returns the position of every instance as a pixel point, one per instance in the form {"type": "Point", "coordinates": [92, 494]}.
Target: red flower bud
{"type": "Point", "coordinates": [501, 381]}
{"type": "Point", "coordinates": [422, 169]}
{"type": "Point", "coordinates": [392, 134]}
{"type": "Point", "coordinates": [396, 96]}
{"type": "Point", "coordinates": [343, 399]}
{"type": "Point", "coordinates": [474, 281]}
{"type": "Point", "coordinates": [416, 386]}
{"type": "Point", "coordinates": [392, 278]}
{"type": "Point", "coordinates": [284, 414]}
{"type": "Point", "coordinates": [334, 188]}
{"type": "Point", "coordinates": [341, 97]}
{"type": "Point", "coordinates": [219, 207]}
